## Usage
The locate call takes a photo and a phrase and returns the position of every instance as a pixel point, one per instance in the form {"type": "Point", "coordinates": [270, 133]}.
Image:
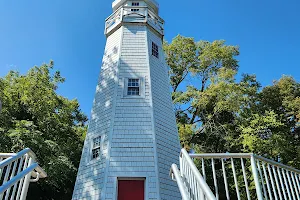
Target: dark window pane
{"type": "Point", "coordinates": [155, 51]}
{"type": "Point", "coordinates": [133, 82]}
{"type": "Point", "coordinates": [96, 147]}
{"type": "Point", "coordinates": [133, 91]}
{"type": "Point", "coordinates": [96, 153]}
{"type": "Point", "coordinates": [96, 142]}
{"type": "Point", "coordinates": [135, 4]}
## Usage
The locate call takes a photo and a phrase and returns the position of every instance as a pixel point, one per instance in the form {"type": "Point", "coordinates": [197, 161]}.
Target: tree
{"type": "Point", "coordinates": [199, 70]}
{"type": "Point", "coordinates": [216, 113]}
{"type": "Point", "coordinates": [271, 126]}
{"type": "Point", "coordinates": [35, 116]}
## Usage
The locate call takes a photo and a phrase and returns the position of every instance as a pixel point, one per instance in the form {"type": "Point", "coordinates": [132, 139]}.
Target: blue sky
{"type": "Point", "coordinates": [70, 32]}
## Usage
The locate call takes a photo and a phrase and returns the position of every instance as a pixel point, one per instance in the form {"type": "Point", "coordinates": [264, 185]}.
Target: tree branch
{"type": "Point", "coordinates": [203, 82]}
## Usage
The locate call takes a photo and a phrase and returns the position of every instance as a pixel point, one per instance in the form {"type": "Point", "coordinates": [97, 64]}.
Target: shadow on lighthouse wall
{"type": "Point", "coordinates": [90, 178]}
{"type": "Point", "coordinates": [129, 121]}
{"type": "Point", "coordinates": [126, 124]}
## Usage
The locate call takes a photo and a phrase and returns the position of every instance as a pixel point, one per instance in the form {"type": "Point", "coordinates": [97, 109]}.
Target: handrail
{"type": "Point", "coordinates": [277, 163]}
{"type": "Point", "coordinates": [7, 155]}
{"type": "Point", "coordinates": [18, 177]}
{"type": "Point", "coordinates": [144, 15]}
{"type": "Point", "coordinates": [17, 156]}
{"type": "Point", "coordinates": [222, 155]}
{"type": "Point", "coordinates": [271, 178]}
{"type": "Point", "coordinates": [158, 17]}
{"type": "Point", "coordinates": [243, 155]}
{"type": "Point", "coordinates": [144, 7]}
{"type": "Point", "coordinates": [202, 183]}
{"type": "Point", "coordinates": [174, 172]}
{"type": "Point", "coordinates": [16, 171]}
{"type": "Point", "coordinates": [113, 14]}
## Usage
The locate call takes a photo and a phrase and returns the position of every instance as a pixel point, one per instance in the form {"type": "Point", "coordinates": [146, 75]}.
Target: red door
{"type": "Point", "coordinates": [131, 189]}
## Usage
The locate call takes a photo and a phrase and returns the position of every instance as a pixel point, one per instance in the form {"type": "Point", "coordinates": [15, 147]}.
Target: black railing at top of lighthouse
{"type": "Point", "coordinates": [140, 14]}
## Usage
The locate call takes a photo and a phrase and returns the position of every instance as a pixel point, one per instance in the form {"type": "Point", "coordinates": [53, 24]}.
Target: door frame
{"type": "Point", "coordinates": [132, 176]}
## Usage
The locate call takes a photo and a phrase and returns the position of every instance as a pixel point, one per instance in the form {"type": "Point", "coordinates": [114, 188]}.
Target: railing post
{"type": "Point", "coordinates": [26, 182]}
{"type": "Point", "coordinates": [256, 178]}
{"type": "Point", "coordinates": [16, 181]}
{"type": "Point", "coordinates": [146, 15]}
{"type": "Point", "coordinates": [198, 177]}
{"type": "Point", "coordinates": [180, 164]}
{"type": "Point", "coordinates": [175, 172]}
{"type": "Point", "coordinates": [105, 29]}
{"type": "Point", "coordinates": [122, 14]}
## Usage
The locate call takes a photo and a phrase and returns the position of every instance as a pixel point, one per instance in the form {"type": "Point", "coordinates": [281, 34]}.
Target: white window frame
{"type": "Point", "coordinates": [141, 88]}
{"type": "Point", "coordinates": [138, 86]}
{"type": "Point", "coordinates": [98, 147]}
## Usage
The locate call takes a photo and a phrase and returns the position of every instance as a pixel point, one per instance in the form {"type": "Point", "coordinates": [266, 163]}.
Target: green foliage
{"type": "Point", "coordinates": [35, 116]}
{"type": "Point", "coordinates": [182, 57]}
{"type": "Point", "coordinates": [217, 113]}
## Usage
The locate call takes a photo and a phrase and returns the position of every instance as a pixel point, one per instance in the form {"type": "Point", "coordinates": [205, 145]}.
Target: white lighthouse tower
{"type": "Point", "coordinates": [132, 138]}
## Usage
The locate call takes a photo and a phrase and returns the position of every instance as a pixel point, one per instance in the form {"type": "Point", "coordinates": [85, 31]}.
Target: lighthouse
{"type": "Point", "coordinates": [132, 137]}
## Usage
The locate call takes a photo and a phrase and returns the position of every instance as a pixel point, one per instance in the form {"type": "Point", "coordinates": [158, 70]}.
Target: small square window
{"type": "Point", "coordinates": [135, 4]}
{"type": "Point", "coordinates": [155, 51]}
{"type": "Point", "coordinates": [133, 87]}
{"type": "Point", "coordinates": [96, 147]}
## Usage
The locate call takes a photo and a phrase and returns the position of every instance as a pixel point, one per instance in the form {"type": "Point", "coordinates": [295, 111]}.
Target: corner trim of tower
{"type": "Point", "coordinates": [113, 113]}
{"type": "Point", "coordinates": [152, 116]}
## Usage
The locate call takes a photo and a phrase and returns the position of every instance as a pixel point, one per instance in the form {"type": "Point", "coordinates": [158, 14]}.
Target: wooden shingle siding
{"type": "Point", "coordinates": [132, 145]}
{"type": "Point", "coordinates": [90, 178]}
{"type": "Point", "coordinates": [139, 133]}
{"type": "Point", "coordinates": [168, 146]}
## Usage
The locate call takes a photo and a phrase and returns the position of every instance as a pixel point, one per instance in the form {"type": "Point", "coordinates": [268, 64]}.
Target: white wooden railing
{"type": "Point", "coordinates": [191, 183]}
{"type": "Point", "coordinates": [176, 176]}
{"type": "Point", "coordinates": [129, 14]}
{"type": "Point", "coordinates": [16, 172]}
{"type": "Point", "coordinates": [236, 176]}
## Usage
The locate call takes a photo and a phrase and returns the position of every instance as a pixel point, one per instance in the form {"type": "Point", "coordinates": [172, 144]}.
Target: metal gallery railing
{"type": "Point", "coordinates": [237, 176]}
{"type": "Point", "coordinates": [16, 172]}
{"type": "Point", "coordinates": [136, 14]}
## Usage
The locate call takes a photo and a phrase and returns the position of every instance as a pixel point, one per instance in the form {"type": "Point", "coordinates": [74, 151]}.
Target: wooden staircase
{"type": "Point", "coordinates": [234, 176]}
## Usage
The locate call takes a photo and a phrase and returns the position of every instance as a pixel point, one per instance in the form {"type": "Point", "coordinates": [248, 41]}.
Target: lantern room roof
{"type": "Point", "coordinates": [117, 3]}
